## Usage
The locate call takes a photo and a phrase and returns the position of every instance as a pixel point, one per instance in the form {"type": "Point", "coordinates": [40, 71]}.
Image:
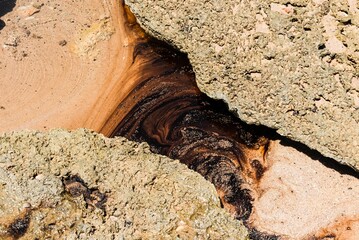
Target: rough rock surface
{"type": "Point", "coordinates": [297, 191]}
{"type": "Point", "coordinates": [122, 191]}
{"type": "Point", "coordinates": [290, 65]}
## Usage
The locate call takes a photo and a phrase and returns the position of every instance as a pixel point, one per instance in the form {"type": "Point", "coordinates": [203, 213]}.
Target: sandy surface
{"type": "Point", "coordinates": [62, 64]}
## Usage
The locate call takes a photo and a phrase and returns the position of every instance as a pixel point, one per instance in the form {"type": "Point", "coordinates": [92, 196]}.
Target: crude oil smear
{"type": "Point", "coordinates": [76, 187]}
{"type": "Point", "coordinates": [168, 111]}
{"type": "Point", "coordinates": [16, 227]}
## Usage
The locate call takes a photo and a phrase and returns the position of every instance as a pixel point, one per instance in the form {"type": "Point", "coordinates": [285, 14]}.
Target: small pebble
{"type": "Point", "coordinates": [38, 5]}
{"type": "Point", "coordinates": [27, 11]}
{"type": "Point", "coordinates": [62, 43]}
{"type": "Point", "coordinates": [26, 205]}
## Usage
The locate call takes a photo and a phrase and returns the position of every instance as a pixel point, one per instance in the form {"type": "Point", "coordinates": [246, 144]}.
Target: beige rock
{"type": "Point", "coordinates": [302, 198]}
{"type": "Point", "coordinates": [148, 196]}
{"type": "Point", "coordinates": [27, 11]}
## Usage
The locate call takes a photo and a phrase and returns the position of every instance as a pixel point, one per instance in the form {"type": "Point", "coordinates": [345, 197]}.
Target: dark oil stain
{"type": "Point", "coordinates": [168, 111]}
{"type": "Point", "coordinates": [18, 227]}
{"type": "Point", "coordinates": [76, 187]}
{"type": "Point", "coordinates": [256, 235]}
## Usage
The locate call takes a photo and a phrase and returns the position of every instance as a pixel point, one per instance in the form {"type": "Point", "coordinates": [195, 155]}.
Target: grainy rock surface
{"type": "Point", "coordinates": [148, 196]}
{"type": "Point", "coordinates": [290, 65]}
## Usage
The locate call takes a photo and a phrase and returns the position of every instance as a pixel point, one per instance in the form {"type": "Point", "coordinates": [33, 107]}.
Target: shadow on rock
{"type": "Point", "coordinates": [5, 7]}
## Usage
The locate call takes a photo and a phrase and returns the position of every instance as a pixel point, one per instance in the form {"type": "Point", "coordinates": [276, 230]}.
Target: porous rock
{"type": "Point", "coordinates": [119, 191]}
{"type": "Point", "coordinates": [290, 65]}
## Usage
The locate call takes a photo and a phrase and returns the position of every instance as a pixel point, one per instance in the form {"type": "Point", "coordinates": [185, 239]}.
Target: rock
{"type": "Point", "coordinates": [85, 43]}
{"type": "Point", "coordinates": [12, 41]}
{"type": "Point", "coordinates": [28, 11]}
{"type": "Point", "coordinates": [296, 192]}
{"type": "Point", "coordinates": [287, 65]}
{"type": "Point", "coordinates": [81, 185]}
{"type": "Point", "coordinates": [62, 43]}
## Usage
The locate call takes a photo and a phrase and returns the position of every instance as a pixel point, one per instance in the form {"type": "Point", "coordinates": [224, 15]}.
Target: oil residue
{"type": "Point", "coordinates": [168, 111]}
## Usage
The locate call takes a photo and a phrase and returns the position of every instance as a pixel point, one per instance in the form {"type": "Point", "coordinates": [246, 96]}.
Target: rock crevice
{"type": "Point", "coordinates": [292, 66]}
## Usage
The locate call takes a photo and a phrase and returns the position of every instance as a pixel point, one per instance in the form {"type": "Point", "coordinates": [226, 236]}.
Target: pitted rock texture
{"type": "Point", "coordinates": [147, 196]}
{"type": "Point", "coordinates": [290, 65]}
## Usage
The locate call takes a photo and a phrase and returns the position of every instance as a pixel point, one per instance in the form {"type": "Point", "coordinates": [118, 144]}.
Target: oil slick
{"type": "Point", "coordinates": [168, 111]}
